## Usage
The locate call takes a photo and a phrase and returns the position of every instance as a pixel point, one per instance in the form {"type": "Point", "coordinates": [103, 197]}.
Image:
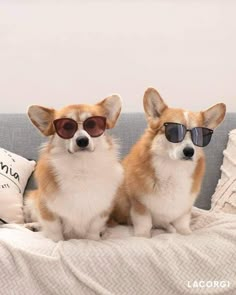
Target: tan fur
{"type": "Point", "coordinates": [138, 206]}
{"type": "Point", "coordinates": [77, 110]}
{"type": "Point", "coordinates": [40, 205]}
{"type": "Point", "coordinates": [48, 116]}
{"type": "Point", "coordinates": [44, 173]}
{"type": "Point", "coordinates": [121, 210]}
{"type": "Point", "coordinates": [47, 176]}
{"type": "Point", "coordinates": [44, 211]}
{"type": "Point", "coordinates": [141, 178]}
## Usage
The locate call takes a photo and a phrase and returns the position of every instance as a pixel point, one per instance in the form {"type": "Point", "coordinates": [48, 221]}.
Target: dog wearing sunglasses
{"type": "Point", "coordinates": [165, 168]}
{"type": "Point", "coordinates": [78, 171]}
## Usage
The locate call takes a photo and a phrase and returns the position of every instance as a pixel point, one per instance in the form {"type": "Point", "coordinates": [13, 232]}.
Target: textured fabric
{"type": "Point", "coordinates": [14, 174]}
{"type": "Point", "coordinates": [20, 136]}
{"type": "Point", "coordinates": [14, 171]}
{"type": "Point", "coordinates": [224, 198]}
{"type": "Point", "coordinates": [165, 264]}
{"type": "Point", "coordinates": [11, 207]}
{"type": "Point", "coordinates": [214, 159]}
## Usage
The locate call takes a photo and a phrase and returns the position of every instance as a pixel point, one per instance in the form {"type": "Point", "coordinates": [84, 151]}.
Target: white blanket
{"type": "Point", "coordinates": [201, 263]}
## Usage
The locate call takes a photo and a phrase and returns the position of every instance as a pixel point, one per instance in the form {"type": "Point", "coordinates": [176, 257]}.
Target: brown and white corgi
{"type": "Point", "coordinates": [78, 171]}
{"type": "Point", "coordinates": [165, 168]}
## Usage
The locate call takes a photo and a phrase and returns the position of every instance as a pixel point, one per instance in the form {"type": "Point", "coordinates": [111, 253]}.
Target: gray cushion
{"type": "Point", "coordinates": [18, 135]}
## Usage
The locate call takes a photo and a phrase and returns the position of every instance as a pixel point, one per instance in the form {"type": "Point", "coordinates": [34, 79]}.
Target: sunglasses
{"type": "Point", "coordinates": [66, 127]}
{"type": "Point", "coordinates": [176, 132]}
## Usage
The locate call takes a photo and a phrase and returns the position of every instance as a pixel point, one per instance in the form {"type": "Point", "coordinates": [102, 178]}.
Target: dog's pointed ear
{"type": "Point", "coordinates": [153, 104]}
{"type": "Point", "coordinates": [111, 108]}
{"type": "Point", "coordinates": [42, 118]}
{"type": "Point", "coordinates": [214, 115]}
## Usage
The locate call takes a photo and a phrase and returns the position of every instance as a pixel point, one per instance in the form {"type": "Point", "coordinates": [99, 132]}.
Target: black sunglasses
{"type": "Point", "coordinates": [66, 127]}
{"type": "Point", "coordinates": [176, 132]}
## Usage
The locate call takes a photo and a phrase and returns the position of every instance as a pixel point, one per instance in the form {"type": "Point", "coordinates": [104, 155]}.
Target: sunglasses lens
{"type": "Point", "coordinates": [95, 126]}
{"type": "Point", "coordinates": [65, 127]}
{"type": "Point", "coordinates": [201, 136]}
{"type": "Point", "coordinates": [175, 132]}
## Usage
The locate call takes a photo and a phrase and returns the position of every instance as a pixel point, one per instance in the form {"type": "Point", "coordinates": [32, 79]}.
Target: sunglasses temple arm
{"type": "Point", "coordinates": [3, 221]}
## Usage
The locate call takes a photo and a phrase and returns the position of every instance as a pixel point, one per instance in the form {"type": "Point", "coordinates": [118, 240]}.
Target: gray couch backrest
{"type": "Point", "coordinates": [18, 135]}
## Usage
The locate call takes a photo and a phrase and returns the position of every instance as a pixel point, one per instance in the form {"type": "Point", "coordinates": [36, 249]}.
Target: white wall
{"type": "Point", "coordinates": [61, 52]}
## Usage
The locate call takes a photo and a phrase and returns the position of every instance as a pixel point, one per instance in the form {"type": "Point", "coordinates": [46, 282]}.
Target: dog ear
{"type": "Point", "coordinates": [153, 104]}
{"type": "Point", "coordinates": [214, 115]}
{"type": "Point", "coordinates": [111, 108]}
{"type": "Point", "coordinates": [42, 118]}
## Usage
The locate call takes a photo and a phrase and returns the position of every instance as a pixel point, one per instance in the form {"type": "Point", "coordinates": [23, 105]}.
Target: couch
{"type": "Point", "coordinates": [164, 264]}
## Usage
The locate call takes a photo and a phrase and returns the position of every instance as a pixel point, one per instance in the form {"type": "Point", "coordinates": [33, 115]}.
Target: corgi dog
{"type": "Point", "coordinates": [165, 168]}
{"type": "Point", "coordinates": [78, 171]}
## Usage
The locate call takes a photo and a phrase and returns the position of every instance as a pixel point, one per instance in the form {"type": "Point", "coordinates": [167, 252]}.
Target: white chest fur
{"type": "Point", "coordinates": [87, 186]}
{"type": "Point", "coordinates": [172, 195]}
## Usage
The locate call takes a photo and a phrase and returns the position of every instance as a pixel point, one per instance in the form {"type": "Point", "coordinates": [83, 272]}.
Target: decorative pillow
{"type": "Point", "coordinates": [14, 174]}
{"type": "Point", "coordinates": [224, 198]}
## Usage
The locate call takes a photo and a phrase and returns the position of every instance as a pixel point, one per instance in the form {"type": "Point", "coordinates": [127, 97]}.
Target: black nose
{"type": "Point", "coordinates": [188, 152]}
{"type": "Point", "coordinates": [82, 141]}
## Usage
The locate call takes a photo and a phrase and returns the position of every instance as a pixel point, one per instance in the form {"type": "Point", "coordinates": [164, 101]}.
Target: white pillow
{"type": "Point", "coordinates": [14, 174]}
{"type": "Point", "coordinates": [224, 198]}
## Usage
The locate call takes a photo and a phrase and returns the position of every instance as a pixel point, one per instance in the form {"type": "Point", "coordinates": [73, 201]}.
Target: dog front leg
{"type": "Point", "coordinates": [182, 224]}
{"type": "Point", "coordinates": [51, 223]}
{"type": "Point", "coordinates": [52, 229]}
{"type": "Point", "coordinates": [141, 219]}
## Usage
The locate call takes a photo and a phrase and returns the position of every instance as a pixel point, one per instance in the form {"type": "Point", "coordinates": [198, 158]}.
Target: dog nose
{"type": "Point", "coordinates": [188, 152]}
{"type": "Point", "coordinates": [82, 141]}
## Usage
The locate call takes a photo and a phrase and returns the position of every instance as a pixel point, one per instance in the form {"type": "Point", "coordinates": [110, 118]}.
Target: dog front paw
{"type": "Point", "coordinates": [93, 236]}
{"type": "Point", "coordinates": [33, 226]}
{"type": "Point", "coordinates": [56, 237]}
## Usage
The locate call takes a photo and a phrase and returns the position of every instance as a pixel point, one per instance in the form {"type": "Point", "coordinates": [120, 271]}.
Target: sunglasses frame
{"type": "Point", "coordinates": [3, 221]}
{"type": "Point", "coordinates": [188, 130]}
{"type": "Point", "coordinates": [77, 123]}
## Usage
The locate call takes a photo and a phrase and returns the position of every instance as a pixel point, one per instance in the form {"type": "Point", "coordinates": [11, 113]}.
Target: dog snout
{"type": "Point", "coordinates": [82, 141]}
{"type": "Point", "coordinates": [188, 152]}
